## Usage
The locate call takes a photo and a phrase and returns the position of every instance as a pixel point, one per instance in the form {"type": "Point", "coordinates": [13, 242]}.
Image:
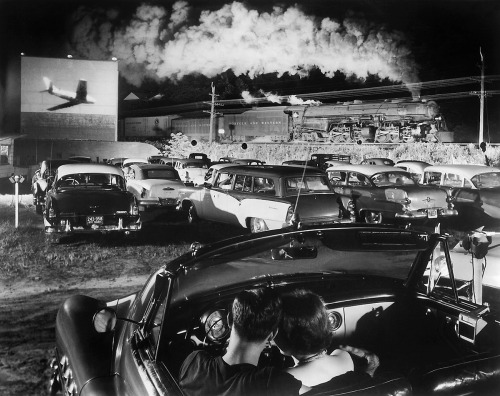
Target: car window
{"type": "Point", "coordinates": [160, 174]}
{"type": "Point", "coordinates": [264, 185]}
{"type": "Point", "coordinates": [307, 184]}
{"type": "Point", "coordinates": [486, 180]}
{"type": "Point", "coordinates": [357, 179]}
{"type": "Point", "coordinates": [433, 178]}
{"type": "Point", "coordinates": [452, 180]}
{"type": "Point", "coordinates": [224, 180]}
{"type": "Point", "coordinates": [392, 179]}
{"type": "Point", "coordinates": [243, 183]}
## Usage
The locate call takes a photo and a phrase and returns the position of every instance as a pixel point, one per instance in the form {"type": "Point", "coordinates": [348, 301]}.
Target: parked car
{"type": "Point", "coordinates": [416, 168]}
{"type": "Point", "coordinates": [191, 171]}
{"type": "Point", "coordinates": [321, 158]}
{"type": "Point", "coordinates": [394, 292]}
{"type": "Point", "coordinates": [385, 194]}
{"type": "Point", "coordinates": [201, 156]}
{"type": "Point", "coordinates": [377, 161]}
{"type": "Point", "coordinates": [89, 198]}
{"type": "Point", "coordinates": [265, 197]}
{"type": "Point", "coordinates": [128, 162]}
{"type": "Point", "coordinates": [475, 191]}
{"type": "Point", "coordinates": [42, 179]}
{"type": "Point", "coordinates": [156, 189]}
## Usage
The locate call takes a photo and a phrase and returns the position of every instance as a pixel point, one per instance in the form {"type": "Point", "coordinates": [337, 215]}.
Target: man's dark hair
{"type": "Point", "coordinates": [256, 313]}
{"type": "Point", "coordinates": [305, 328]}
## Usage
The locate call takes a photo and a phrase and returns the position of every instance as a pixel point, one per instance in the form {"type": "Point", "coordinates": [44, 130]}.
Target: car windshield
{"type": "Point", "coordinates": [384, 179]}
{"type": "Point", "coordinates": [161, 174]}
{"type": "Point", "coordinates": [486, 180]}
{"type": "Point", "coordinates": [86, 180]}
{"type": "Point", "coordinates": [306, 184]}
{"type": "Point", "coordinates": [279, 256]}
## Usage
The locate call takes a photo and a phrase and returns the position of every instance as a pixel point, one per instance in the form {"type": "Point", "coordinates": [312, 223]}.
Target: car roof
{"type": "Point", "coordinates": [152, 166]}
{"type": "Point", "coordinates": [191, 160]}
{"type": "Point", "coordinates": [130, 160]}
{"type": "Point", "coordinates": [367, 169]}
{"type": "Point", "coordinates": [467, 170]}
{"type": "Point", "coordinates": [274, 170]}
{"type": "Point", "coordinates": [71, 169]}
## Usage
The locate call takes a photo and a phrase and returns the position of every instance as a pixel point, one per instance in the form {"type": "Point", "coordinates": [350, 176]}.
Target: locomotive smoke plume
{"type": "Point", "coordinates": [274, 98]}
{"type": "Point", "coordinates": [160, 43]}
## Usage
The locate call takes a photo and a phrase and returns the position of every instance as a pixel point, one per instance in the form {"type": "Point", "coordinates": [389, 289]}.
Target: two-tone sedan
{"type": "Point", "coordinates": [385, 194]}
{"type": "Point", "coordinates": [475, 190]}
{"type": "Point", "coordinates": [90, 198]}
{"type": "Point", "coordinates": [156, 189]}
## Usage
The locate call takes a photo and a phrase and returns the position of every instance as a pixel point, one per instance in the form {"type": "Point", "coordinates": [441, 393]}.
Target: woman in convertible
{"type": "Point", "coordinates": [305, 334]}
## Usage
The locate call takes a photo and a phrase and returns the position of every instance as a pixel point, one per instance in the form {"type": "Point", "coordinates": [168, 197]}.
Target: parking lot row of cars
{"type": "Point", "coordinates": [416, 300]}
{"type": "Point", "coordinates": [85, 197]}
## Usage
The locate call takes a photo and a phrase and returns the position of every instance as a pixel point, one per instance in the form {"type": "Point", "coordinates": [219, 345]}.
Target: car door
{"type": "Point", "coordinates": [218, 204]}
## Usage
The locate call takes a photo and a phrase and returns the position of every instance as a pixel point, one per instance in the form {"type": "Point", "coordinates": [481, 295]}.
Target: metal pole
{"type": "Point", "coordinates": [212, 114]}
{"type": "Point", "coordinates": [16, 200]}
{"type": "Point", "coordinates": [481, 106]}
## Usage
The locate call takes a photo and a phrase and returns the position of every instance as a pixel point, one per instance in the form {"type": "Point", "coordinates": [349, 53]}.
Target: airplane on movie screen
{"type": "Point", "coordinates": [73, 98]}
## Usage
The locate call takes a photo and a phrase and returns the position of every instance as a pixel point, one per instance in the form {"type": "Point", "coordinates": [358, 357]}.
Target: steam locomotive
{"type": "Point", "coordinates": [394, 121]}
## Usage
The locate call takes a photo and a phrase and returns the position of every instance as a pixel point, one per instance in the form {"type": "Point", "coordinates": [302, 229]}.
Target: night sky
{"type": "Point", "coordinates": [160, 44]}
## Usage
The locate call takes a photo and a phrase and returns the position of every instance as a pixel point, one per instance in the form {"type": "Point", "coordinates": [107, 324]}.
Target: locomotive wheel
{"type": "Point", "coordinates": [373, 217]}
{"type": "Point", "coordinates": [381, 138]}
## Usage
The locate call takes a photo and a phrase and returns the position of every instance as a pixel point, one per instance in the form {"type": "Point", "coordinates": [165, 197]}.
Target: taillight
{"type": "Point", "coordinates": [134, 210]}
{"type": "Point", "coordinates": [187, 176]}
{"type": "Point", "coordinates": [143, 192]}
{"type": "Point", "coordinates": [51, 213]}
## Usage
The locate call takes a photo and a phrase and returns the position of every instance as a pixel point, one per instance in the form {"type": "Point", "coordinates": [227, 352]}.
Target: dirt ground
{"type": "Point", "coordinates": [28, 309]}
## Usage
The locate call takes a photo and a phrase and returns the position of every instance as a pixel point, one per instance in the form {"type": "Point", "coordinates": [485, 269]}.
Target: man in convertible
{"type": "Point", "coordinates": [254, 322]}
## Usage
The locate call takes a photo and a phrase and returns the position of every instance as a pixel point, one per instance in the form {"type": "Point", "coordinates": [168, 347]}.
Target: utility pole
{"type": "Point", "coordinates": [481, 105]}
{"type": "Point", "coordinates": [482, 95]}
{"type": "Point", "coordinates": [212, 112]}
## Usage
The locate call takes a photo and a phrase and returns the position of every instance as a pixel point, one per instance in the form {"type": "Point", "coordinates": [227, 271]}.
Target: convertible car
{"type": "Point", "coordinates": [90, 198]}
{"type": "Point", "coordinates": [394, 292]}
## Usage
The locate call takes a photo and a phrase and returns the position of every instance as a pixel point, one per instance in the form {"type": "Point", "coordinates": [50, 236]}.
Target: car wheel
{"type": "Point", "coordinates": [373, 217]}
{"type": "Point", "coordinates": [257, 225]}
{"type": "Point", "coordinates": [192, 215]}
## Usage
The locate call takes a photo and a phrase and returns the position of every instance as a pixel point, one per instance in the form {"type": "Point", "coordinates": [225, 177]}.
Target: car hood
{"type": "Point", "coordinates": [90, 201]}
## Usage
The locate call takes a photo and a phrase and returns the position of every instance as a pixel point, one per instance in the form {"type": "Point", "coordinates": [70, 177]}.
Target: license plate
{"type": "Point", "coordinates": [432, 213]}
{"type": "Point", "coordinates": [94, 220]}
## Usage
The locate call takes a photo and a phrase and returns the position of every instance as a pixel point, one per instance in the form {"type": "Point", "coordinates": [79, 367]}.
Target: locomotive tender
{"type": "Point", "coordinates": [389, 121]}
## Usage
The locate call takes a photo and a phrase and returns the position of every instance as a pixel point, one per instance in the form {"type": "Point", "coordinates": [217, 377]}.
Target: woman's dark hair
{"type": "Point", "coordinates": [304, 328]}
{"type": "Point", "coordinates": [256, 313]}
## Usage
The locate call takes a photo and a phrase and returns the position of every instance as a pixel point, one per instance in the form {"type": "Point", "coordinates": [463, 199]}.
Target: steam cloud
{"type": "Point", "coordinates": [162, 43]}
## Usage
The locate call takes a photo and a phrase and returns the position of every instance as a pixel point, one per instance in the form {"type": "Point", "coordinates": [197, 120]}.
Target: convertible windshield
{"type": "Point", "coordinates": [84, 180]}
{"type": "Point", "coordinates": [387, 254]}
{"type": "Point", "coordinates": [487, 180]}
{"type": "Point", "coordinates": [307, 184]}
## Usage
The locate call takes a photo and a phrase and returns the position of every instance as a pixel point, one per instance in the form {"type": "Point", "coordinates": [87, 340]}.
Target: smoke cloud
{"type": "Point", "coordinates": [160, 43]}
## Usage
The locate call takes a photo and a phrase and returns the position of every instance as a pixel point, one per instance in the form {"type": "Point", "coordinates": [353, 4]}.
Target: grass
{"type": "Point", "coordinates": [26, 254]}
